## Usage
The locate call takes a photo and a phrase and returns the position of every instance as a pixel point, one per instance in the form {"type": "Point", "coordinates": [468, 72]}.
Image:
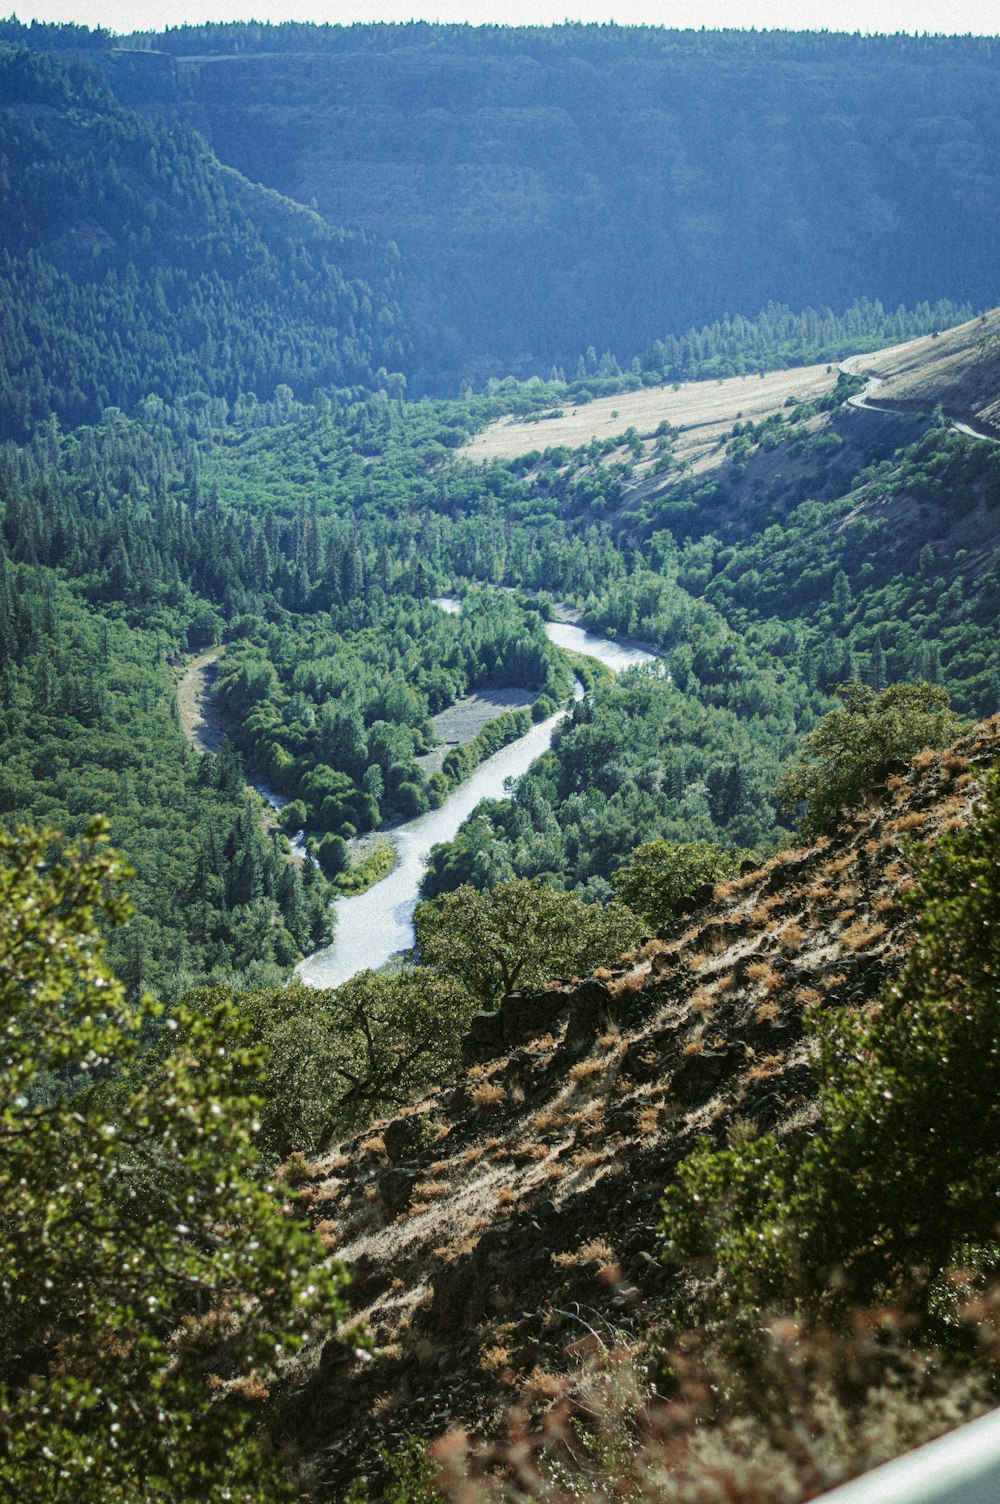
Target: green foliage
{"type": "Point", "coordinates": [377, 862]}
{"type": "Point", "coordinates": [660, 875]}
{"type": "Point", "coordinates": [135, 264]}
{"type": "Point", "coordinates": [518, 934]}
{"type": "Point", "coordinates": [902, 1180]}
{"type": "Point", "coordinates": [148, 1281]}
{"type": "Point", "coordinates": [639, 759]}
{"type": "Point", "coordinates": [853, 750]}
{"type": "Point", "coordinates": [337, 1058]}
{"type": "Point", "coordinates": [335, 708]}
{"type": "Point", "coordinates": [214, 896]}
{"type": "Point", "coordinates": [333, 855]}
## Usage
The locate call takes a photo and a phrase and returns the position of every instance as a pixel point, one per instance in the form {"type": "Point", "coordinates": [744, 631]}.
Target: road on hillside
{"type": "Point", "coordinates": [862, 400]}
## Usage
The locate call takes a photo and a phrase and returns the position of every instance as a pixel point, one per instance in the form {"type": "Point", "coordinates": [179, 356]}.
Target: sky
{"type": "Point", "coordinates": [981, 17]}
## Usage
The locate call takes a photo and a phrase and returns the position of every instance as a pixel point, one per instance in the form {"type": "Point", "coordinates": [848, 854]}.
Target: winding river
{"type": "Point", "coordinates": [373, 926]}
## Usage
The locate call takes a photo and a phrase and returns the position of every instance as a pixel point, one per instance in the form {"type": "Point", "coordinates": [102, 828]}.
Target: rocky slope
{"type": "Point", "coordinates": [505, 1227]}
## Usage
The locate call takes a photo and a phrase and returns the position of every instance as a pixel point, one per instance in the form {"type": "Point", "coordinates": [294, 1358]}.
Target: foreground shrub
{"type": "Point", "coordinates": [854, 750]}
{"type": "Point", "coordinates": [660, 876]}
{"type": "Point", "coordinates": [148, 1280]}
{"type": "Point", "coordinates": [776, 1425]}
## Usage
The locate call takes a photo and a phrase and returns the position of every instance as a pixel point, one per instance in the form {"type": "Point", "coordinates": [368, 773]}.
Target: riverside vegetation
{"type": "Point", "coordinates": [208, 441]}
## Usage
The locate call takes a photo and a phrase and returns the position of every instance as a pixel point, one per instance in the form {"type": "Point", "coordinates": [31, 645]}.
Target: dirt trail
{"type": "Point", "coordinates": [201, 721]}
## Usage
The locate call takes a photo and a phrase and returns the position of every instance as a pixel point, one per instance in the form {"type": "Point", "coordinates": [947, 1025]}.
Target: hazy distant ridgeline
{"type": "Point", "coordinates": [134, 264]}
{"type": "Point", "coordinates": [555, 189]}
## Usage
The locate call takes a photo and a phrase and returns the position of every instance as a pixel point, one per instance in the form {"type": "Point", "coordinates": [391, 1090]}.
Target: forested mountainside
{"type": "Point", "coordinates": [552, 190]}
{"type": "Point", "coordinates": [136, 267]}
{"type": "Point", "coordinates": [731, 940]}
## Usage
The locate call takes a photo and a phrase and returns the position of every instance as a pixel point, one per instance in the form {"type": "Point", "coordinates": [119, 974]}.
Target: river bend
{"type": "Point", "coordinates": [375, 925]}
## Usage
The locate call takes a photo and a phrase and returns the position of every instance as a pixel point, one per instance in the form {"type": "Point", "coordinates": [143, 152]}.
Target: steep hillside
{"type": "Point", "coordinates": [554, 189]}
{"type": "Point", "coordinates": [506, 1226]}
{"type": "Point", "coordinates": [134, 265]}
{"type": "Point", "coordinates": [960, 369]}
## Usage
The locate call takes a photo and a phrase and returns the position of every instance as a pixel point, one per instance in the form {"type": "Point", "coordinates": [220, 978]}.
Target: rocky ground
{"type": "Point", "coordinates": [506, 1226]}
{"type": "Point", "coordinates": [462, 722]}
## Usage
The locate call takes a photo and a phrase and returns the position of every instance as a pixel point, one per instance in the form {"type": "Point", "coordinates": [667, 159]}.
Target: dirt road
{"type": "Point", "coordinates": [200, 718]}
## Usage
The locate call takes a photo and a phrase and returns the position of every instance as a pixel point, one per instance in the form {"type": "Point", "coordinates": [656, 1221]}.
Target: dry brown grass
{"type": "Point", "coordinates": [431, 1190]}
{"type": "Point", "coordinates": [724, 983]}
{"type": "Point", "coordinates": [373, 1145]}
{"type": "Point", "coordinates": [764, 974]}
{"type": "Point", "coordinates": [472, 1154]}
{"type": "Point", "coordinates": [585, 1159]}
{"type": "Point", "coordinates": [806, 995]}
{"type": "Point", "coordinates": [593, 1251]}
{"type": "Point", "coordinates": [487, 1094]}
{"type": "Point", "coordinates": [584, 1070]}
{"type": "Point", "coordinates": [861, 934]}
{"type": "Point", "coordinates": [702, 1001]}
{"type": "Point", "coordinates": [923, 760]}
{"type": "Point", "coordinates": [542, 1388]}
{"type": "Point", "coordinates": [548, 1118]}
{"type": "Point", "coordinates": [911, 821]}
{"type": "Point", "coordinates": [494, 1358]}
{"type": "Point", "coordinates": [632, 982]}
{"type": "Point", "coordinates": [766, 1012]}
{"type": "Point", "coordinates": [328, 1234]}
{"type": "Point", "coordinates": [696, 1044]}
{"type": "Point", "coordinates": [771, 1065]}
{"type": "Point", "coordinates": [793, 937]}
{"type": "Point", "coordinates": [647, 1121]}
{"type": "Point", "coordinates": [530, 1152]}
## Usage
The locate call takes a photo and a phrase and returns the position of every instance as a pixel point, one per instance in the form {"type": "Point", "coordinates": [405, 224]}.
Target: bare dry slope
{"type": "Point", "coordinates": [702, 410]}
{"type": "Point", "coordinates": [960, 369]}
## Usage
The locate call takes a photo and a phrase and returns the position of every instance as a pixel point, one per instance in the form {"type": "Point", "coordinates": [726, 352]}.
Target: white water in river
{"type": "Point", "coordinates": [374, 926]}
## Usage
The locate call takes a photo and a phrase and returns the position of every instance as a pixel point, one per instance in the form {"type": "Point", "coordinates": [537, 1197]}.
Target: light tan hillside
{"type": "Point", "coordinates": [960, 369]}
{"type": "Point", "coordinates": [703, 410]}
